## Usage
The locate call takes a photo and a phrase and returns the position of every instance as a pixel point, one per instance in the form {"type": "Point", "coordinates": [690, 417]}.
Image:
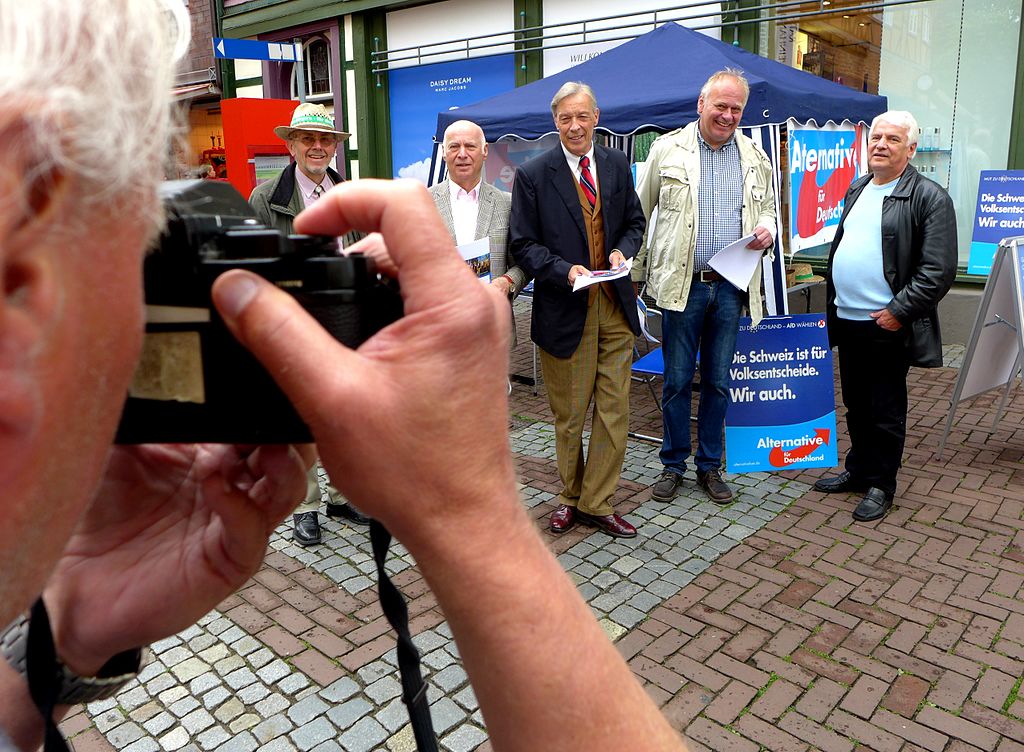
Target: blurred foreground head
{"type": "Point", "coordinates": [85, 127]}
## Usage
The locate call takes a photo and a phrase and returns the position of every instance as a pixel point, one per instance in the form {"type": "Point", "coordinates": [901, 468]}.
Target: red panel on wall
{"type": "Point", "coordinates": [248, 123]}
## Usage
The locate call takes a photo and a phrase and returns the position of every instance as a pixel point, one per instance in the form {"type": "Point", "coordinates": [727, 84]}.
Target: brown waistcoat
{"type": "Point", "coordinates": [593, 221]}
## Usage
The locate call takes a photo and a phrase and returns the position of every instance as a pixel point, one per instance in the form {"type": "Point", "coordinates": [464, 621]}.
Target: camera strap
{"type": "Point", "coordinates": [42, 674]}
{"type": "Point", "coordinates": [414, 689]}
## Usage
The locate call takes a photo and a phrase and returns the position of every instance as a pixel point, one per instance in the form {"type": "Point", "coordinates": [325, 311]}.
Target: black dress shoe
{"type": "Point", "coordinates": [874, 506]}
{"type": "Point", "coordinates": [349, 512]}
{"type": "Point", "coordinates": [307, 528]}
{"type": "Point", "coordinates": [562, 519]}
{"type": "Point", "coordinates": [842, 483]}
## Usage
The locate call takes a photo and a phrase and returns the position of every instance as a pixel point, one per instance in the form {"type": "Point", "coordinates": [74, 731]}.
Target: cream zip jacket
{"type": "Point", "coordinates": [670, 182]}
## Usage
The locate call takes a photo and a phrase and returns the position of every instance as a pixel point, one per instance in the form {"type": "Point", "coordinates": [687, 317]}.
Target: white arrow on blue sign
{"type": "Point", "coordinates": [253, 49]}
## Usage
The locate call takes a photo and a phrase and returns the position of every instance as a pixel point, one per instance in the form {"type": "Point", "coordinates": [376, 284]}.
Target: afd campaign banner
{"type": "Point", "coordinates": [999, 214]}
{"type": "Point", "coordinates": [505, 156]}
{"type": "Point", "coordinates": [418, 93]}
{"type": "Point", "coordinates": [782, 408]}
{"type": "Point", "coordinates": [823, 161]}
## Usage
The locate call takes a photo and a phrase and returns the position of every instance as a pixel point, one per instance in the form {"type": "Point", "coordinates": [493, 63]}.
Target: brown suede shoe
{"type": "Point", "coordinates": [713, 485]}
{"type": "Point", "coordinates": [562, 519]}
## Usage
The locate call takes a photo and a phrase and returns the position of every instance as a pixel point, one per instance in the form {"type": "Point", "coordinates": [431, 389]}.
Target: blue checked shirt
{"type": "Point", "coordinates": [719, 200]}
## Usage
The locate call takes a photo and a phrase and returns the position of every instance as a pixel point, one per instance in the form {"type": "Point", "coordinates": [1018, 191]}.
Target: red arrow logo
{"type": "Point", "coordinates": [780, 457]}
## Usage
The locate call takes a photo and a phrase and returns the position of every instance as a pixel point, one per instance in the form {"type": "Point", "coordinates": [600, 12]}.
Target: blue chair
{"type": "Point", "coordinates": [649, 367]}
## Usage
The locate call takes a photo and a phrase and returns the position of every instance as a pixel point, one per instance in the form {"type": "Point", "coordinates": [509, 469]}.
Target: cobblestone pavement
{"type": "Point", "coordinates": [772, 623]}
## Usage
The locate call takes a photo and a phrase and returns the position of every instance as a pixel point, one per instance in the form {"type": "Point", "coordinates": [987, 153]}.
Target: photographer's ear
{"type": "Point", "coordinates": [31, 200]}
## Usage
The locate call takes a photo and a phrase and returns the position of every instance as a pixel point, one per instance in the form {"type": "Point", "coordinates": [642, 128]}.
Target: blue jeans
{"type": "Point", "coordinates": [708, 324]}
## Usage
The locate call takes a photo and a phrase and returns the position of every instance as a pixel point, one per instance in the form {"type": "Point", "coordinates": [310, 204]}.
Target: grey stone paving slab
{"type": "Point", "coordinates": [280, 744]}
{"type": "Point", "coordinates": [464, 739]}
{"type": "Point", "coordinates": [340, 690]}
{"type": "Point", "coordinates": [364, 736]}
{"type": "Point", "coordinates": [313, 733]}
{"type": "Point", "coordinates": [272, 704]}
{"type": "Point", "coordinates": [348, 713]}
{"type": "Point", "coordinates": [125, 734]}
{"type": "Point", "coordinates": [143, 745]}
{"type": "Point", "coordinates": [393, 716]}
{"type": "Point", "coordinates": [384, 689]}
{"type": "Point", "coordinates": [244, 742]}
{"type": "Point", "coordinates": [213, 738]}
{"type": "Point", "coordinates": [307, 709]}
{"type": "Point", "coordinates": [159, 723]}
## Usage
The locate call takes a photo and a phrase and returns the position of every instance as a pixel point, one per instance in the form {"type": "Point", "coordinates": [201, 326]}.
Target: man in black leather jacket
{"type": "Point", "coordinates": [892, 260]}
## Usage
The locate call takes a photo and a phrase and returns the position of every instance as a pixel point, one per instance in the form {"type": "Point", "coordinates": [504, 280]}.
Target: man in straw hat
{"type": "Point", "coordinates": [312, 141]}
{"type": "Point", "coordinates": [891, 262]}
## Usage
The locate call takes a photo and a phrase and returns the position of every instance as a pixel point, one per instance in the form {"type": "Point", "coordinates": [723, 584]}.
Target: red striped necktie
{"type": "Point", "coordinates": [587, 181]}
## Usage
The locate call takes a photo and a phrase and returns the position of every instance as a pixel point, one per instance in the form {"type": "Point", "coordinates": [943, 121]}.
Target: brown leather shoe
{"type": "Point", "coordinates": [713, 485]}
{"type": "Point", "coordinates": [562, 519]}
{"type": "Point", "coordinates": [612, 524]}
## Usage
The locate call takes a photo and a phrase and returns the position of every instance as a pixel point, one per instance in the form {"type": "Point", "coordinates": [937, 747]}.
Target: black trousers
{"type": "Point", "coordinates": [873, 374]}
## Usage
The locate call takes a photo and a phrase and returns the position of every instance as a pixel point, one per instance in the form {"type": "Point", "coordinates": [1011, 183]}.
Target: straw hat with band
{"type": "Point", "coordinates": [804, 273]}
{"type": "Point", "coordinates": [313, 118]}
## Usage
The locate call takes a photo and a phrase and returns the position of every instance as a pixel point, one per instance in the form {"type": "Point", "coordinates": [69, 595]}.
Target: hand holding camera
{"type": "Point", "coordinates": [195, 382]}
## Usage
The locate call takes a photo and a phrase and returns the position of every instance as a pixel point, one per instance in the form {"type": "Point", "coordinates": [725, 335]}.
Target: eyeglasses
{"type": "Point", "coordinates": [308, 140]}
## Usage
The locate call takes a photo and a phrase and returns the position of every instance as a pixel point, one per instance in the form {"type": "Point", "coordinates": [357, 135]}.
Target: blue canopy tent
{"type": "Point", "coordinates": [653, 82]}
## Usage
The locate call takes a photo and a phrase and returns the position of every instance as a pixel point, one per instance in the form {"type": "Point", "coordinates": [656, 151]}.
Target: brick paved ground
{"type": "Point", "coordinates": [773, 623]}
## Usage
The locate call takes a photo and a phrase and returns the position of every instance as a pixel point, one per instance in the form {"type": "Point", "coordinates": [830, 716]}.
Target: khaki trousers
{"type": "Point", "coordinates": [312, 501]}
{"type": "Point", "coordinates": [597, 372]}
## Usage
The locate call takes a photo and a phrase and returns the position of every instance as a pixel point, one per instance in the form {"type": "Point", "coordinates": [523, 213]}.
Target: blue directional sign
{"type": "Point", "coordinates": [252, 49]}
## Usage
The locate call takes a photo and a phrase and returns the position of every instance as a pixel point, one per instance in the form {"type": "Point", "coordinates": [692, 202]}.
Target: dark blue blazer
{"type": "Point", "coordinates": [547, 236]}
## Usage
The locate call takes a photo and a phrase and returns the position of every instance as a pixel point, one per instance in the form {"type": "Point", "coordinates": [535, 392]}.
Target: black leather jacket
{"type": "Point", "coordinates": [919, 252]}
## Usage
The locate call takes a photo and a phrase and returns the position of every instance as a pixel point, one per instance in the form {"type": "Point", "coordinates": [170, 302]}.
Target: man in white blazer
{"type": "Point", "coordinates": [472, 209]}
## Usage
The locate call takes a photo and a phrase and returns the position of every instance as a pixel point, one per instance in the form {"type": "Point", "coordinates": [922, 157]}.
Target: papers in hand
{"type": "Point", "coordinates": [604, 275]}
{"type": "Point", "coordinates": [736, 262]}
{"type": "Point", "coordinates": [478, 255]}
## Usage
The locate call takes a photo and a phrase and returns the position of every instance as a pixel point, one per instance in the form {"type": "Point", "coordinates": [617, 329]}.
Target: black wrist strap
{"type": "Point", "coordinates": [414, 689]}
{"type": "Point", "coordinates": [43, 675]}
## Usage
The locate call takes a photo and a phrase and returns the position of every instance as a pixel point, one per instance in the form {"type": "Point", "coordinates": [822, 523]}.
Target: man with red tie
{"type": "Point", "coordinates": [574, 211]}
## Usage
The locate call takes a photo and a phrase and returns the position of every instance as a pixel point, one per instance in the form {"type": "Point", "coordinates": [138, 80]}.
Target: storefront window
{"type": "Point", "coordinates": [952, 63]}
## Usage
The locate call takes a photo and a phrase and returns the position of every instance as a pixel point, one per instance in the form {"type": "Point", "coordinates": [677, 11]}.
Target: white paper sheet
{"type": "Point", "coordinates": [736, 262]}
{"type": "Point", "coordinates": [604, 275]}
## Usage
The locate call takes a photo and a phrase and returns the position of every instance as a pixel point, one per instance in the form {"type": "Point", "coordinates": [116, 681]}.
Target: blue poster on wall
{"type": "Point", "coordinates": [782, 409]}
{"type": "Point", "coordinates": [418, 93]}
{"type": "Point", "coordinates": [999, 214]}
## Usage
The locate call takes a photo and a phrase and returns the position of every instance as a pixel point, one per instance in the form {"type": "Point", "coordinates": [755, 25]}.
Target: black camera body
{"type": "Point", "coordinates": [195, 382]}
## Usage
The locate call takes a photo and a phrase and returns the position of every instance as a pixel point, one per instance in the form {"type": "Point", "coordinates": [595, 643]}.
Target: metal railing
{"type": "Point", "coordinates": [549, 36]}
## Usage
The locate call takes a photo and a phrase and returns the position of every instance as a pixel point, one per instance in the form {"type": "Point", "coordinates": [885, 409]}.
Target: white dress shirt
{"type": "Point", "coordinates": [465, 207]}
{"type": "Point", "coordinates": [574, 164]}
